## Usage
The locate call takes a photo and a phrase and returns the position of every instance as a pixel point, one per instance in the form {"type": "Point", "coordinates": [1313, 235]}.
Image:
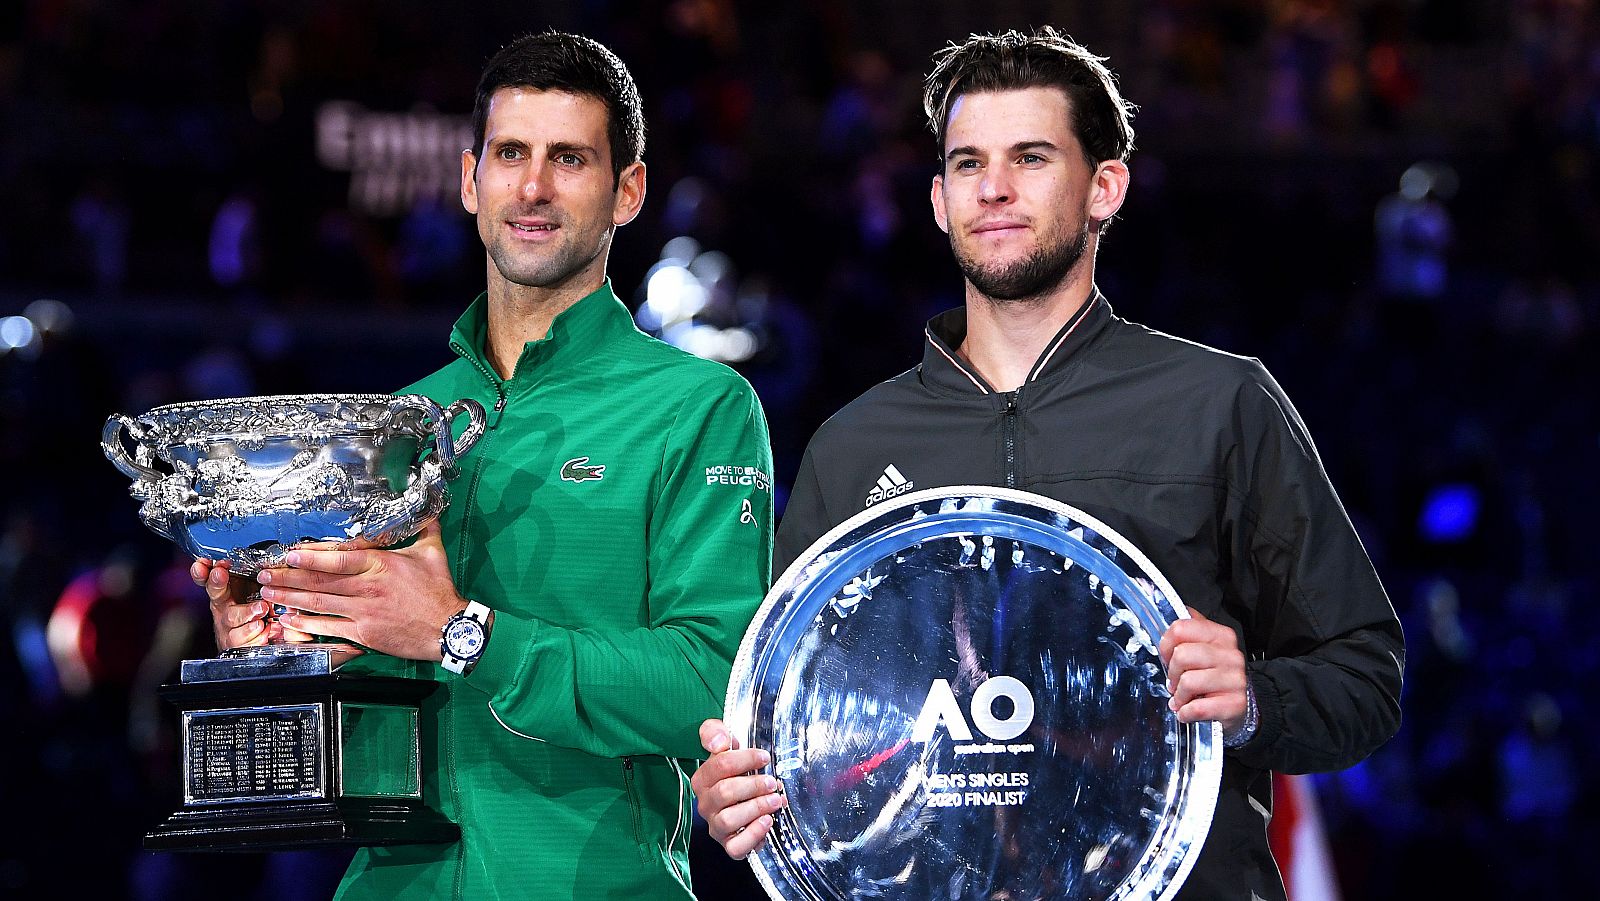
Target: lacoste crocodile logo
{"type": "Point", "coordinates": [578, 470]}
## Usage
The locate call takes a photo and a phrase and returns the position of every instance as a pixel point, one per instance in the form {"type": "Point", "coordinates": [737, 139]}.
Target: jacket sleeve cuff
{"type": "Point", "coordinates": [1269, 726]}
{"type": "Point", "coordinates": [500, 667]}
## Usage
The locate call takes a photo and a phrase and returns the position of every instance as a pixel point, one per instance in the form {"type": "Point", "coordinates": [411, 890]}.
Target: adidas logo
{"type": "Point", "coordinates": [889, 484]}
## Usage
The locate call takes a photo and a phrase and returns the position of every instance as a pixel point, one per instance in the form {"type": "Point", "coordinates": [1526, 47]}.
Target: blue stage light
{"type": "Point", "coordinates": [1450, 513]}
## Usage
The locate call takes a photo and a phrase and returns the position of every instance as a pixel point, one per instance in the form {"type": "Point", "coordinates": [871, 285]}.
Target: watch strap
{"type": "Point", "coordinates": [1252, 720]}
{"type": "Point", "coordinates": [463, 665]}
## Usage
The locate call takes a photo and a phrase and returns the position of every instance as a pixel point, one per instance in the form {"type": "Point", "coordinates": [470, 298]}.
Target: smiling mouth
{"type": "Point", "coordinates": [532, 228]}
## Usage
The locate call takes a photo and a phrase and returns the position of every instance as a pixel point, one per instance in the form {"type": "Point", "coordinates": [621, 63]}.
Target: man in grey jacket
{"type": "Point", "coordinates": [1194, 455]}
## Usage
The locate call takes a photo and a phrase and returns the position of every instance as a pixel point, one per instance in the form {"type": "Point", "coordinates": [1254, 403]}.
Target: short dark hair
{"type": "Point", "coordinates": [1101, 119]}
{"type": "Point", "coordinates": [556, 61]}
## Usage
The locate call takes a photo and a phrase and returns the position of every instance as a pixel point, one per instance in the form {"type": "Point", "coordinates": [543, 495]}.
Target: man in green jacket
{"type": "Point", "coordinates": [607, 541]}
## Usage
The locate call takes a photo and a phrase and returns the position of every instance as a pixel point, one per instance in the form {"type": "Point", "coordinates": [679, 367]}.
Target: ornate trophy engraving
{"type": "Point", "coordinates": [963, 699]}
{"type": "Point", "coordinates": [279, 750]}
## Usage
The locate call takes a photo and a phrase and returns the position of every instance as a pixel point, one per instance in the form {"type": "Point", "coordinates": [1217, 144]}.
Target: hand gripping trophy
{"type": "Point", "coordinates": [280, 749]}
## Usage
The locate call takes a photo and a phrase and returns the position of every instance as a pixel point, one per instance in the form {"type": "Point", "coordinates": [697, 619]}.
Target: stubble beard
{"type": "Point", "coordinates": [1032, 276]}
{"type": "Point", "coordinates": [546, 270]}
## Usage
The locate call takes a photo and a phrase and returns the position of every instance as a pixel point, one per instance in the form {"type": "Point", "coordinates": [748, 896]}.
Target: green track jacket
{"type": "Point", "coordinates": [617, 517]}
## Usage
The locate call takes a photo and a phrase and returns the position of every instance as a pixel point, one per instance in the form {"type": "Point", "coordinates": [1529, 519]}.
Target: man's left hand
{"type": "Point", "coordinates": [392, 601]}
{"type": "Point", "coordinates": [1205, 671]}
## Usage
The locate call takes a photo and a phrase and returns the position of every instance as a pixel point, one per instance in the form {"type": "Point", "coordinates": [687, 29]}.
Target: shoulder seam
{"type": "Point", "coordinates": [1153, 478]}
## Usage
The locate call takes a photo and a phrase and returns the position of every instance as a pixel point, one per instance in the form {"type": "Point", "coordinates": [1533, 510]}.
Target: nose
{"type": "Point", "coordinates": [538, 183]}
{"type": "Point", "coordinates": [995, 186]}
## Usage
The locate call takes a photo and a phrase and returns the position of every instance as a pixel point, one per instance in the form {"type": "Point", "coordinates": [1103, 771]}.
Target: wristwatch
{"type": "Point", "coordinates": [463, 637]}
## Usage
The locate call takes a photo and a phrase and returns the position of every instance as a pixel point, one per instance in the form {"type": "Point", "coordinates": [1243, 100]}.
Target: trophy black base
{"type": "Point", "coordinates": [298, 761]}
{"type": "Point", "coordinates": [285, 827]}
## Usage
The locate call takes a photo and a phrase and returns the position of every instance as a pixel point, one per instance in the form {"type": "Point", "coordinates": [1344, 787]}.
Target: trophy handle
{"type": "Point", "coordinates": [111, 445]}
{"type": "Point", "coordinates": [477, 421]}
{"type": "Point", "coordinates": [446, 447]}
{"type": "Point", "coordinates": [425, 496]}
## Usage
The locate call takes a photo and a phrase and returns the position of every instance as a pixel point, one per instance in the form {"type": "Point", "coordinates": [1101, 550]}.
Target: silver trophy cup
{"type": "Point", "coordinates": [244, 479]}
{"type": "Point", "coordinates": [279, 750]}
{"type": "Point", "coordinates": [241, 479]}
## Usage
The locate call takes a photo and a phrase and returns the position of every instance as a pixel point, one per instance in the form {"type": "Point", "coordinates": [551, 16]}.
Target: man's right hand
{"type": "Point", "coordinates": [736, 805]}
{"type": "Point", "coordinates": [235, 621]}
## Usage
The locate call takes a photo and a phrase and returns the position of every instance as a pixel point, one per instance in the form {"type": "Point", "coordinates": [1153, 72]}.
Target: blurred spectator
{"type": "Point", "coordinates": [1414, 233]}
{"type": "Point", "coordinates": [234, 251]}
{"type": "Point", "coordinates": [100, 223]}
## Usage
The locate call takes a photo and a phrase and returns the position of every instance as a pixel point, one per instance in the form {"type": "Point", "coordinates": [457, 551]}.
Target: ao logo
{"type": "Point", "coordinates": [941, 707]}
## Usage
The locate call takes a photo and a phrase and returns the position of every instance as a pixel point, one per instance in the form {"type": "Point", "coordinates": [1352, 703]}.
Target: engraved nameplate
{"type": "Point", "coordinates": [253, 754]}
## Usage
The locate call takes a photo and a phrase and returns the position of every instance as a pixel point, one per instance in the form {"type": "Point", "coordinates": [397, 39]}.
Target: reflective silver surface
{"type": "Point", "coordinates": [963, 699]}
{"type": "Point", "coordinates": [242, 479]}
{"type": "Point", "coordinates": [273, 661]}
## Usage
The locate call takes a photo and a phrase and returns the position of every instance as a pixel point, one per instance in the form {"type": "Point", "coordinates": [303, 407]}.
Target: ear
{"type": "Point", "coordinates": [469, 181]}
{"type": "Point", "coordinates": [1107, 191]}
{"type": "Point", "coordinates": [936, 196]}
{"type": "Point", "coordinates": [630, 195]}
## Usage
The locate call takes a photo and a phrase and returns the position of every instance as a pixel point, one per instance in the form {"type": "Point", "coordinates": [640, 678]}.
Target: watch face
{"type": "Point", "coordinates": [463, 638]}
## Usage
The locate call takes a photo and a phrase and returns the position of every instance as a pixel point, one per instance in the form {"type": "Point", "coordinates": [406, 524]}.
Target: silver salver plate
{"type": "Point", "coordinates": [963, 699]}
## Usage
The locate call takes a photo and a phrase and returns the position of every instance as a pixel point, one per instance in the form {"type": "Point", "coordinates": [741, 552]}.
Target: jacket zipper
{"type": "Point", "coordinates": [478, 458]}
{"type": "Point", "coordinates": [632, 794]}
{"type": "Point", "coordinates": [460, 575]}
{"type": "Point", "coordinates": [1008, 429]}
{"type": "Point", "coordinates": [460, 558]}
{"type": "Point", "coordinates": [499, 388]}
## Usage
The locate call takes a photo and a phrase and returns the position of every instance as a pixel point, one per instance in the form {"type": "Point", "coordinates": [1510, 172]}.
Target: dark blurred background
{"type": "Point", "coordinates": [1393, 203]}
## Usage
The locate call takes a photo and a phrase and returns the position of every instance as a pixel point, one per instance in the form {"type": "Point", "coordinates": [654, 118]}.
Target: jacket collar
{"type": "Point", "coordinates": [575, 334]}
{"type": "Point", "coordinates": [944, 368]}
